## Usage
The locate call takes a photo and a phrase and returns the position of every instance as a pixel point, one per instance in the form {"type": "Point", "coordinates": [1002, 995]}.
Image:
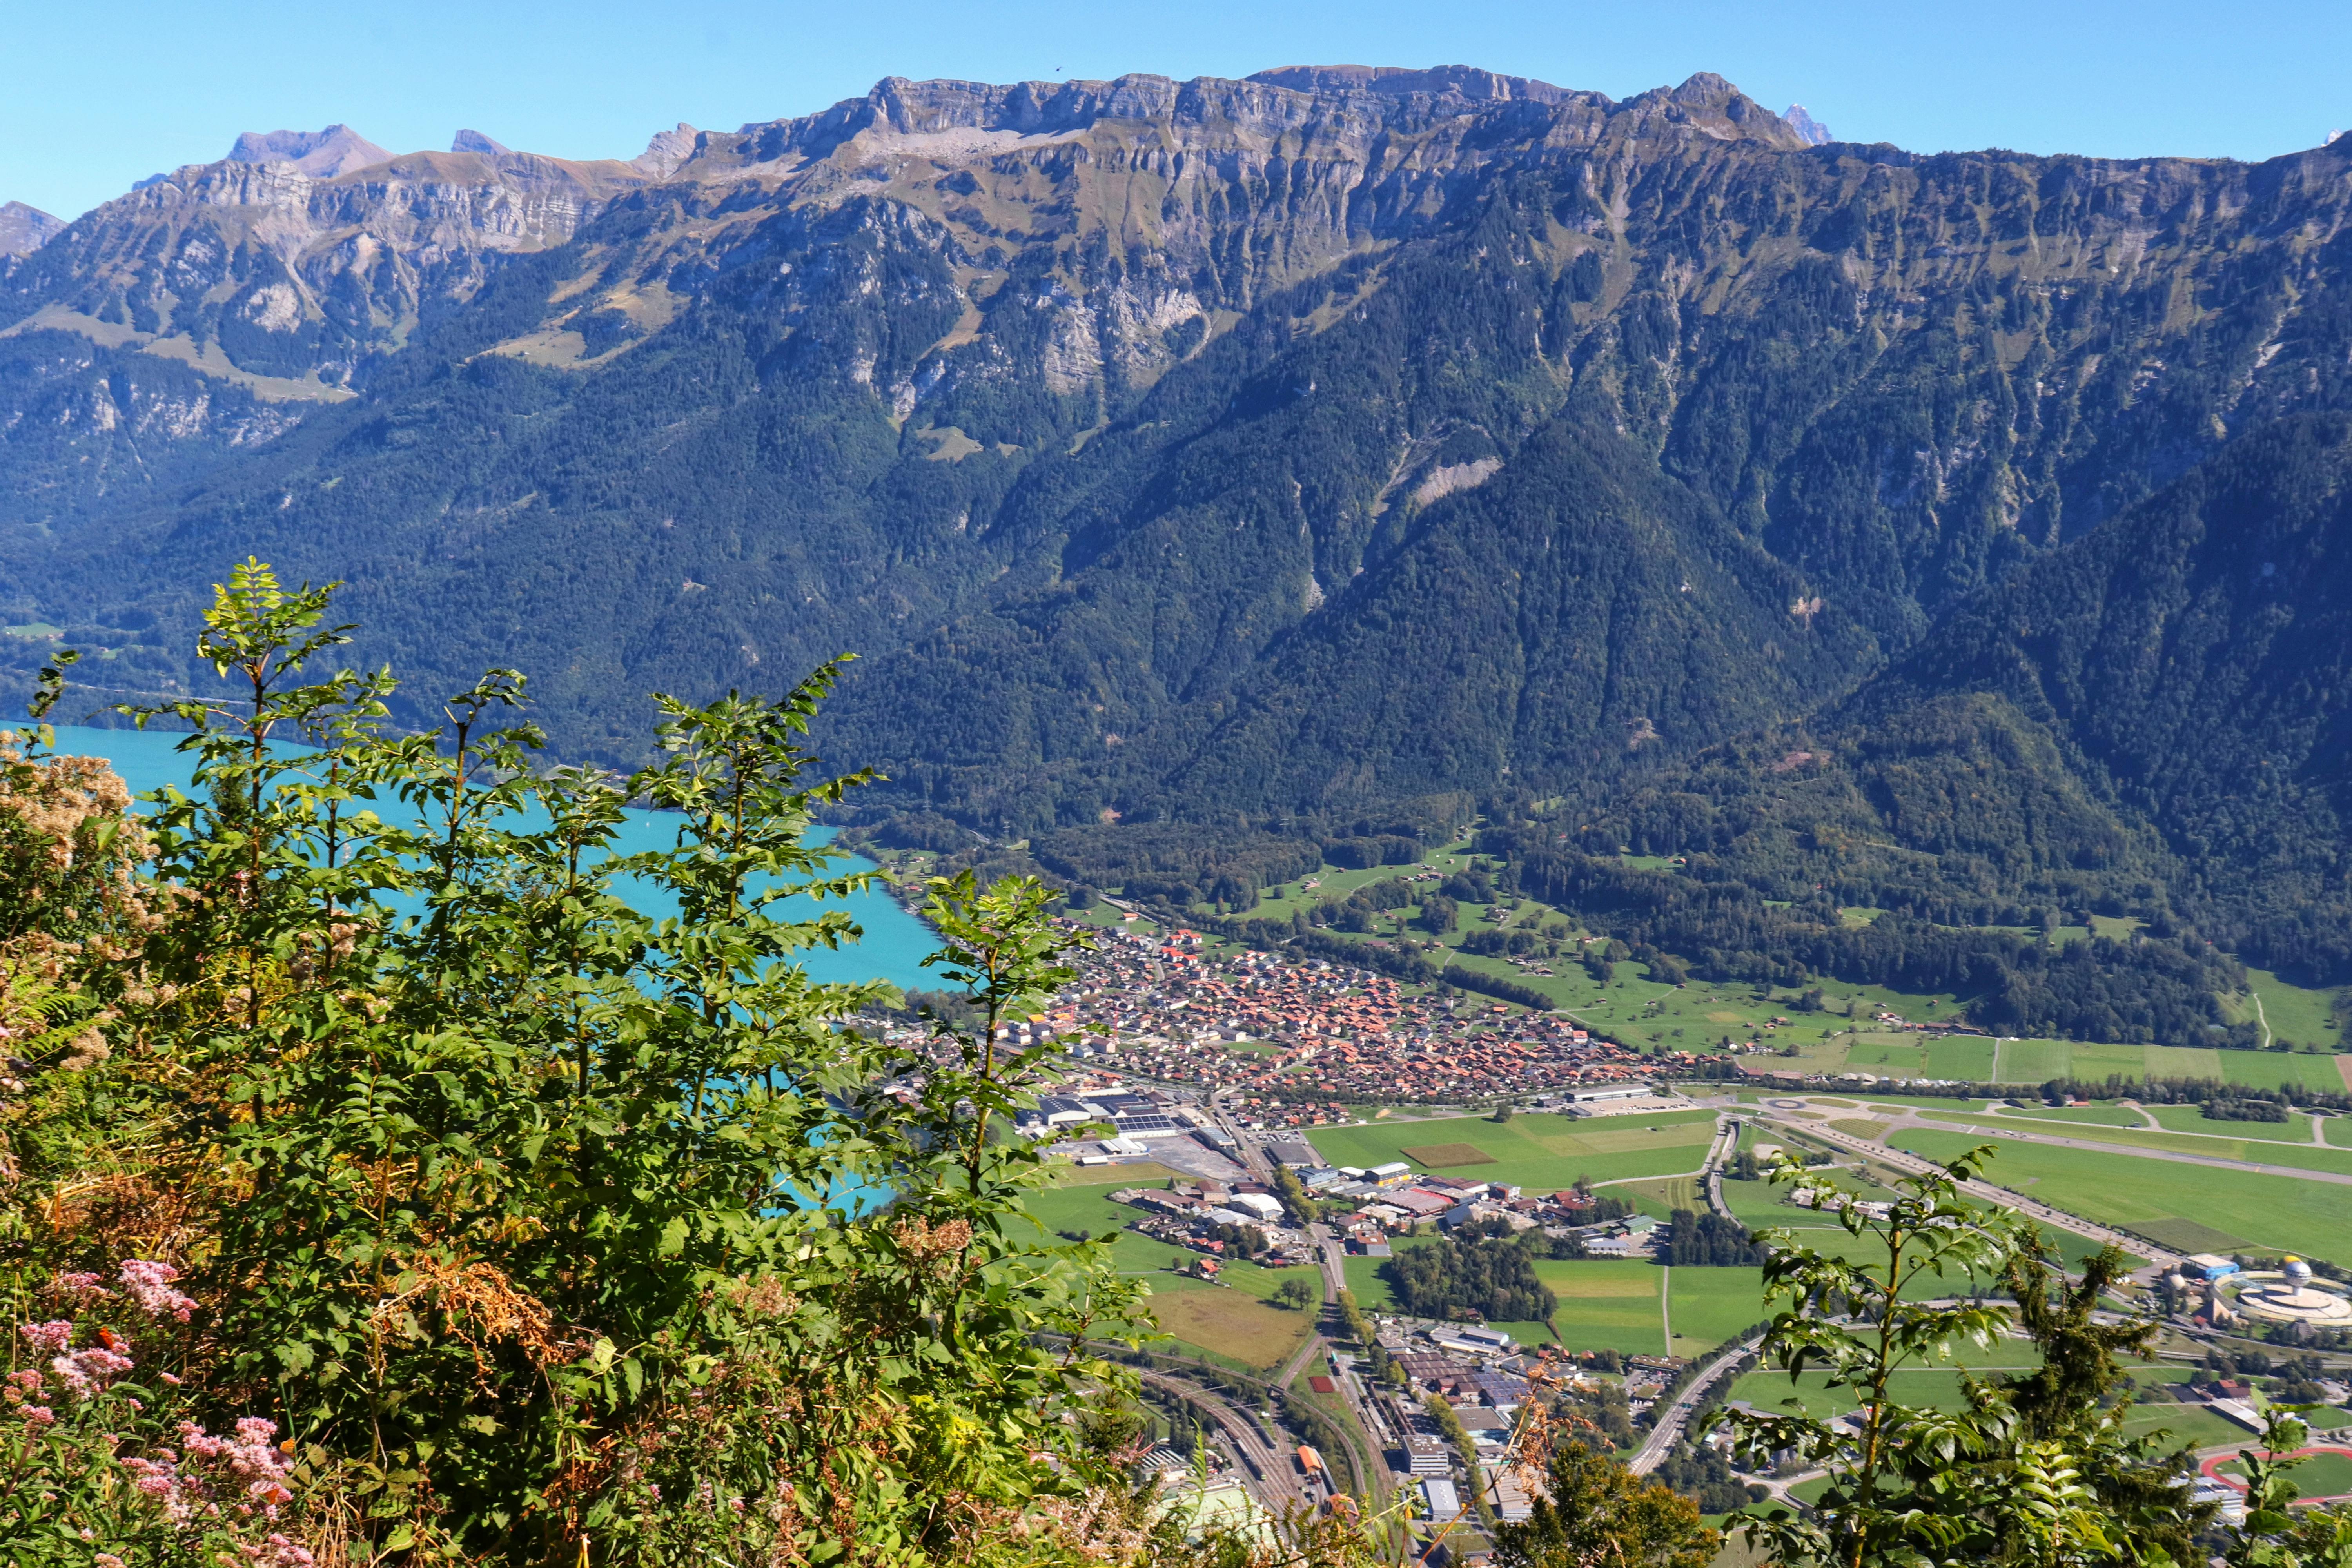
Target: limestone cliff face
{"type": "Point", "coordinates": [301, 255]}
{"type": "Point", "coordinates": [283, 268]}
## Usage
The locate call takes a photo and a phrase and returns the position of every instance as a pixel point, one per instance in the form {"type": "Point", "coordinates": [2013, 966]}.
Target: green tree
{"type": "Point", "coordinates": [1295, 1294]}
{"type": "Point", "coordinates": [1595, 1512]}
{"type": "Point", "coordinates": [2277, 1534]}
{"type": "Point", "coordinates": [2032, 1471]}
{"type": "Point", "coordinates": [533, 1189]}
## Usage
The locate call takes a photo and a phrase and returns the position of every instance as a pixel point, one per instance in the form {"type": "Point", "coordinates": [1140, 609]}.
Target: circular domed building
{"type": "Point", "coordinates": [2288, 1294]}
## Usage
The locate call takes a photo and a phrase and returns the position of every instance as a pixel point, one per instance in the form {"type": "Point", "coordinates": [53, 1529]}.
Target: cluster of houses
{"type": "Point", "coordinates": [1394, 1198]}
{"type": "Point", "coordinates": [1312, 1037]}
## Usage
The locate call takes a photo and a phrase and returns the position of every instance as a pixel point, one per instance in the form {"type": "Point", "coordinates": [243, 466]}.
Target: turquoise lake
{"type": "Point", "coordinates": [892, 948]}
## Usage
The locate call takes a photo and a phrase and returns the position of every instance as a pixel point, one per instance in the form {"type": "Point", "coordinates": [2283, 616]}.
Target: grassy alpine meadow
{"type": "Point", "coordinates": [2295, 1015]}
{"type": "Point", "coordinates": [2279, 1214]}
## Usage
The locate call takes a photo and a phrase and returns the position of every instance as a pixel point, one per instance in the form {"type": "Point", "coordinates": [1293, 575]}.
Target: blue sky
{"type": "Point", "coordinates": [101, 94]}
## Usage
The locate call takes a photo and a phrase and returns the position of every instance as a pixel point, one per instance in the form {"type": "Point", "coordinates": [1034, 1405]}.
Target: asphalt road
{"type": "Point", "coordinates": [1667, 1429]}
{"type": "Point", "coordinates": [2337, 1178]}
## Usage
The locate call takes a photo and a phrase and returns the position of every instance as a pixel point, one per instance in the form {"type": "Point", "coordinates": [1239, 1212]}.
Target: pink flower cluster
{"type": "Point", "coordinates": [247, 1469]}
{"type": "Point", "coordinates": [22, 1389]}
{"type": "Point", "coordinates": [146, 1281]}
{"type": "Point", "coordinates": [149, 1286]}
{"type": "Point", "coordinates": [83, 1371]}
{"type": "Point", "coordinates": [49, 1338]}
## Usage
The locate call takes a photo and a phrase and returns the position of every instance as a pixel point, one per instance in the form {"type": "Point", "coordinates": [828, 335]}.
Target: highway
{"type": "Point", "coordinates": [1726, 1137]}
{"type": "Point", "coordinates": [1666, 1427]}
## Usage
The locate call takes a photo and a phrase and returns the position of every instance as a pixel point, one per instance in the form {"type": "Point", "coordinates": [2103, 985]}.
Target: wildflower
{"type": "Point", "coordinates": [166, 1379]}
{"type": "Point", "coordinates": [149, 1286]}
{"type": "Point", "coordinates": [54, 1335]}
{"type": "Point", "coordinates": [39, 1416]}
{"type": "Point", "coordinates": [106, 1559]}
{"type": "Point", "coordinates": [81, 1284]}
{"type": "Point", "coordinates": [159, 1478]}
{"type": "Point", "coordinates": [253, 1462]}
{"type": "Point", "coordinates": [87, 1372]}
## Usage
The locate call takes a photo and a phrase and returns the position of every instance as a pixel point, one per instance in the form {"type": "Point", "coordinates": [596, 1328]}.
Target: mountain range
{"type": "Point", "coordinates": [1283, 455]}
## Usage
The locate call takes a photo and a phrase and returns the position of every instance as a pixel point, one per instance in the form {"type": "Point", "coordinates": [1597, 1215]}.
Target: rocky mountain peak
{"type": "Point", "coordinates": [323, 154]}
{"type": "Point", "coordinates": [475, 142]}
{"type": "Point", "coordinates": [667, 150]}
{"type": "Point", "coordinates": [23, 229]}
{"type": "Point", "coordinates": [1814, 132]}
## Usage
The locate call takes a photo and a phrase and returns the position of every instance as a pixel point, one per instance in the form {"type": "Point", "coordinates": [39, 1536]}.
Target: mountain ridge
{"type": "Point", "coordinates": [1223, 451]}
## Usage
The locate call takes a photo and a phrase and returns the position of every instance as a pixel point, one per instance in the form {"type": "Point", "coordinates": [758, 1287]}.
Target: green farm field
{"type": "Point", "coordinates": [1232, 1325]}
{"type": "Point", "coordinates": [1538, 1151]}
{"type": "Point", "coordinates": [2032, 1062]}
{"type": "Point", "coordinates": [2080, 1115]}
{"type": "Point", "coordinates": [2295, 1129]}
{"type": "Point", "coordinates": [1711, 1305]}
{"type": "Point", "coordinates": [2280, 1214]}
{"type": "Point", "coordinates": [1608, 1304]}
{"type": "Point", "coordinates": [1938, 1386]}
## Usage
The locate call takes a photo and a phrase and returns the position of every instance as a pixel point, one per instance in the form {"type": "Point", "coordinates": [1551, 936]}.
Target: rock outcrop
{"type": "Point", "coordinates": [1811, 131]}
{"type": "Point", "coordinates": [24, 229]}
{"type": "Point", "coordinates": [321, 155]}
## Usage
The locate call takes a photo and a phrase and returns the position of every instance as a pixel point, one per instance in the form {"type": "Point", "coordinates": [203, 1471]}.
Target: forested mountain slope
{"type": "Point", "coordinates": [2162, 710]}
{"type": "Point", "coordinates": [1222, 449]}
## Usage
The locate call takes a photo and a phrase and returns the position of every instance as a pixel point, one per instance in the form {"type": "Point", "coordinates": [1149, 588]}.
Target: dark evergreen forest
{"type": "Point", "coordinates": [1455, 1281]}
